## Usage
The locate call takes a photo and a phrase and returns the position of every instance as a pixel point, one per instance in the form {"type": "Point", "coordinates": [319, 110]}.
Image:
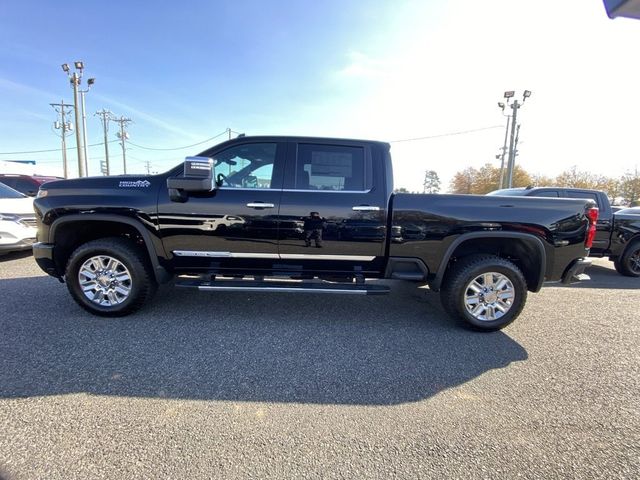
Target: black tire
{"type": "Point", "coordinates": [456, 292]}
{"type": "Point", "coordinates": [617, 266]}
{"type": "Point", "coordinates": [134, 276]}
{"type": "Point", "coordinates": [628, 264]}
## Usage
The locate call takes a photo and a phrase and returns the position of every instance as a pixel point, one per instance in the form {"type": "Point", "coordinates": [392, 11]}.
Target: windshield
{"type": "Point", "coordinates": [8, 192]}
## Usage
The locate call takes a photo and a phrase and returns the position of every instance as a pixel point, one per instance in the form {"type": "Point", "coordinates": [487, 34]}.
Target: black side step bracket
{"type": "Point", "coordinates": [282, 286]}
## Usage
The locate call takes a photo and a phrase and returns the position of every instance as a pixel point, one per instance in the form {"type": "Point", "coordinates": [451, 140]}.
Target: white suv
{"type": "Point", "coordinates": [17, 220]}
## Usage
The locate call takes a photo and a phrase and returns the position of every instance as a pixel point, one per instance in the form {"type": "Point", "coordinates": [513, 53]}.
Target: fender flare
{"type": "Point", "coordinates": [161, 274]}
{"type": "Point", "coordinates": [532, 240]}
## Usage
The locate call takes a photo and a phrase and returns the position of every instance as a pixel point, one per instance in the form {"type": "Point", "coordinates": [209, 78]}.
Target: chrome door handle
{"type": "Point", "coordinates": [260, 205]}
{"type": "Point", "coordinates": [365, 208]}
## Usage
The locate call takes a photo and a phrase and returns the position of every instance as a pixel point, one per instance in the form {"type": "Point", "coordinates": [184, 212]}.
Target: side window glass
{"type": "Point", "coordinates": [330, 168]}
{"type": "Point", "coordinates": [26, 186]}
{"type": "Point", "coordinates": [246, 166]}
{"type": "Point", "coordinates": [10, 182]}
{"type": "Point", "coordinates": [548, 193]}
{"type": "Point", "coordinates": [587, 195]}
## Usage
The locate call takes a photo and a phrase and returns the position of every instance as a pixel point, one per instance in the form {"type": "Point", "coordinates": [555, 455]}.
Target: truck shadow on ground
{"type": "Point", "coordinates": [605, 277]}
{"type": "Point", "coordinates": [5, 257]}
{"type": "Point", "coordinates": [242, 347]}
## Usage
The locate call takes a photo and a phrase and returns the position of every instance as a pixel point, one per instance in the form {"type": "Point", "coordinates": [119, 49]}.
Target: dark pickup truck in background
{"type": "Point", "coordinates": [617, 234]}
{"type": "Point", "coordinates": [303, 214]}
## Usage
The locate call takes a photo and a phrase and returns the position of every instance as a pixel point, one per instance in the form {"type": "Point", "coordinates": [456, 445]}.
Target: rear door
{"type": "Point", "coordinates": [331, 189]}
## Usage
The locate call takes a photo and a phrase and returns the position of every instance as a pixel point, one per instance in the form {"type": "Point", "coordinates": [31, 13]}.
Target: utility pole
{"type": "Point", "coordinates": [512, 153]}
{"type": "Point", "coordinates": [147, 165]}
{"type": "Point", "coordinates": [62, 109]}
{"type": "Point", "coordinates": [105, 117]}
{"type": "Point", "coordinates": [515, 146]}
{"type": "Point", "coordinates": [123, 135]}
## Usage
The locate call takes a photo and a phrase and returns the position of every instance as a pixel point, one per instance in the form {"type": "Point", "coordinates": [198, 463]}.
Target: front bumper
{"type": "Point", "coordinates": [16, 236]}
{"type": "Point", "coordinates": [575, 273]}
{"type": "Point", "coordinates": [24, 244]}
{"type": "Point", "coordinates": [43, 253]}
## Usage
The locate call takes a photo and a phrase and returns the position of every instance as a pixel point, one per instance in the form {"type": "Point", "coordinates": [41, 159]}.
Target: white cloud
{"type": "Point", "coordinates": [23, 88]}
{"type": "Point", "coordinates": [158, 122]}
{"type": "Point", "coordinates": [361, 66]}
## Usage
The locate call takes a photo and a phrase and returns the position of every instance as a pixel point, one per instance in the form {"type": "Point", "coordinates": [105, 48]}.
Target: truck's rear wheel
{"type": "Point", "coordinates": [108, 277]}
{"type": "Point", "coordinates": [484, 291]}
{"type": "Point", "coordinates": [628, 264]}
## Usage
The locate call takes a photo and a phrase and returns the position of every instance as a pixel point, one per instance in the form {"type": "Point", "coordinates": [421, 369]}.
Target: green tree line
{"type": "Point", "coordinates": [487, 178]}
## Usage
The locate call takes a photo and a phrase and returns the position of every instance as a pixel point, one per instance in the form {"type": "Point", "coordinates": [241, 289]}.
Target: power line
{"type": "Point", "coordinates": [461, 132]}
{"type": "Point", "coordinates": [54, 149]}
{"type": "Point", "coordinates": [181, 148]}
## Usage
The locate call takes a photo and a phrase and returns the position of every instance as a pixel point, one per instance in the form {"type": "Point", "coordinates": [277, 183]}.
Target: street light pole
{"type": "Point", "coordinates": [75, 79]}
{"type": "Point", "coordinates": [512, 153]}
{"type": "Point", "coordinates": [90, 82]}
{"type": "Point", "coordinates": [82, 170]}
{"type": "Point", "coordinates": [504, 146]}
{"type": "Point", "coordinates": [512, 157]}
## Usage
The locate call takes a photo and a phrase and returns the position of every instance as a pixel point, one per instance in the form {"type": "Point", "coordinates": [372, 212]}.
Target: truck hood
{"type": "Point", "coordinates": [17, 206]}
{"type": "Point", "coordinates": [115, 181]}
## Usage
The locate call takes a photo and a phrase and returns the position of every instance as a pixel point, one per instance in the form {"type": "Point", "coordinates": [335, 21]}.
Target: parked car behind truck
{"type": "Point", "coordinates": [113, 239]}
{"type": "Point", "coordinates": [17, 221]}
{"type": "Point", "coordinates": [617, 232]}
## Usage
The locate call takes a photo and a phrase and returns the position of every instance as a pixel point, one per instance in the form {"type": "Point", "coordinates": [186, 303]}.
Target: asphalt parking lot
{"type": "Point", "coordinates": [234, 385]}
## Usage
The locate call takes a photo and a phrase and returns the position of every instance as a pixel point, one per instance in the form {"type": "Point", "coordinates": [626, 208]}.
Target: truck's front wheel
{"type": "Point", "coordinates": [485, 291]}
{"type": "Point", "coordinates": [109, 277]}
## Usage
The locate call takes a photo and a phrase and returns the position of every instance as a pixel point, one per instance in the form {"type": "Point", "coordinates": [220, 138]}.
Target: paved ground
{"type": "Point", "coordinates": [282, 386]}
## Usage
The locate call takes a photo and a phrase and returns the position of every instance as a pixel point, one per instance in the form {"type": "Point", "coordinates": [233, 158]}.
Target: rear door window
{"type": "Point", "coordinates": [587, 195]}
{"type": "Point", "coordinates": [330, 168]}
{"type": "Point", "coordinates": [547, 193]}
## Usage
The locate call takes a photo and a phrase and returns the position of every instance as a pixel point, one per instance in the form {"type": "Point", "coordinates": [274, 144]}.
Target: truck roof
{"type": "Point", "coordinates": [281, 138]}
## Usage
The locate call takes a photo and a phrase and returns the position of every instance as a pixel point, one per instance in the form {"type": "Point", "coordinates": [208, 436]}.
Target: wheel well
{"type": "Point", "coordinates": [71, 235]}
{"type": "Point", "coordinates": [525, 254]}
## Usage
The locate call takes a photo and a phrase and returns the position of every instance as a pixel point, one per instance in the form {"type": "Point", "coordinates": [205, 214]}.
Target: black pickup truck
{"type": "Point", "coordinates": [288, 214]}
{"type": "Point", "coordinates": [617, 234]}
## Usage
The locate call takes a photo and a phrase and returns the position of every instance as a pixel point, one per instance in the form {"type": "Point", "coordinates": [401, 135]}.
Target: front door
{"type": "Point", "coordinates": [236, 225]}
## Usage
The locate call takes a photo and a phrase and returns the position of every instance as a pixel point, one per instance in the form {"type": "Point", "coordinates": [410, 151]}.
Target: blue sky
{"type": "Point", "coordinates": [375, 69]}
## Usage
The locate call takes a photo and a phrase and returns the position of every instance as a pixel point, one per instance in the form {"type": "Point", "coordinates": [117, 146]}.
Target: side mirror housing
{"type": "Point", "coordinates": [198, 177]}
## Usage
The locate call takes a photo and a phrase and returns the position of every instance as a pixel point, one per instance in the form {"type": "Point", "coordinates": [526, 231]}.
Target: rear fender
{"type": "Point", "coordinates": [535, 262]}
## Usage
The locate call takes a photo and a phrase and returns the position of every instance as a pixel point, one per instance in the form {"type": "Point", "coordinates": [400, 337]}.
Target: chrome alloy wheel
{"type": "Point", "coordinates": [489, 296]}
{"type": "Point", "coordinates": [105, 280]}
